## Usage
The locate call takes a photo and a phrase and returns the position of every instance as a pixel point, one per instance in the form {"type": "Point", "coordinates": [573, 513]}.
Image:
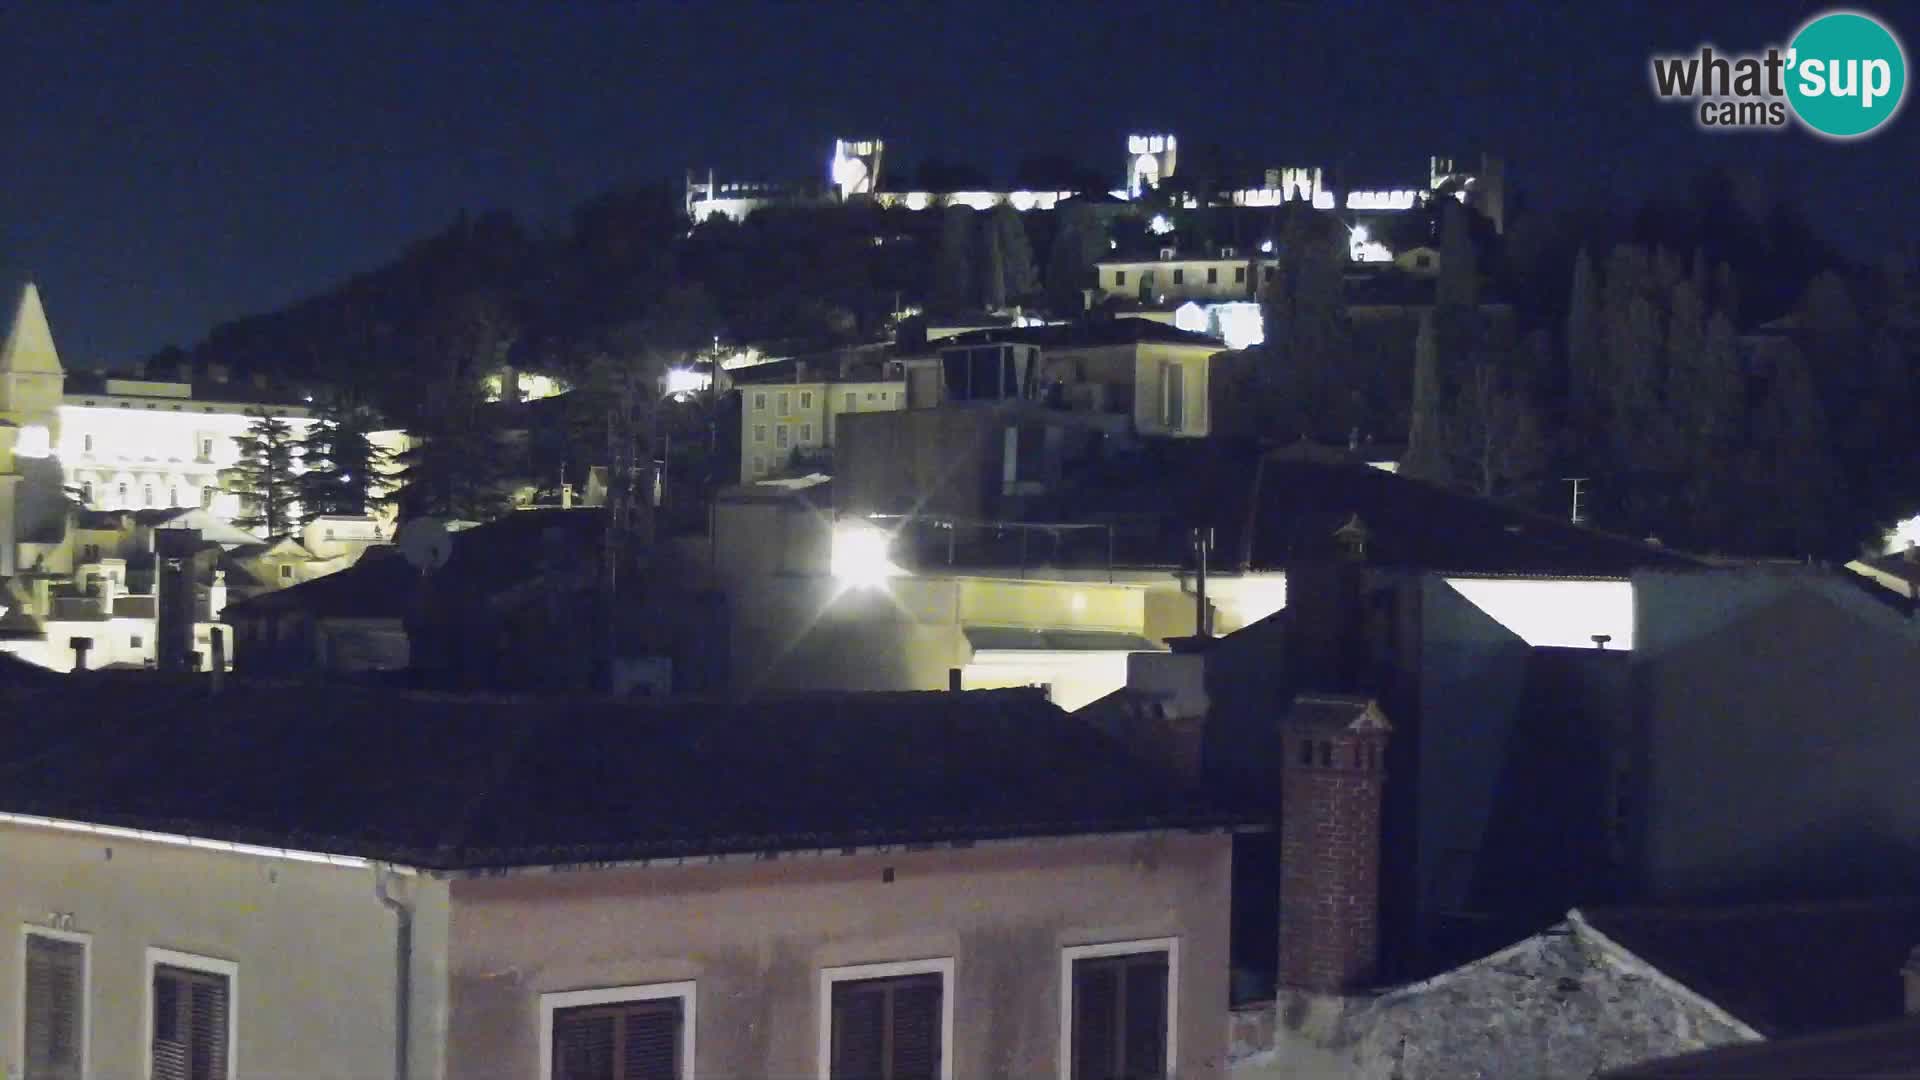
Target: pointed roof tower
{"type": "Point", "coordinates": [29, 346]}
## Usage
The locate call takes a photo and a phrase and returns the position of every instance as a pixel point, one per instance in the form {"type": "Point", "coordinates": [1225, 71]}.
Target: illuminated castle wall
{"type": "Point", "coordinates": [854, 171]}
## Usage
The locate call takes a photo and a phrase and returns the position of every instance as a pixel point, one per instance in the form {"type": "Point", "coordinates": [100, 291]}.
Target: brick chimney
{"type": "Point", "coordinates": [1333, 775]}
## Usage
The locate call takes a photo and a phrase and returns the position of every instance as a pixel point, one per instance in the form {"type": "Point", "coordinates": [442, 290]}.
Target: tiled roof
{"type": "Point", "coordinates": [380, 584]}
{"type": "Point", "coordinates": [1784, 969]}
{"type": "Point", "coordinates": [449, 783]}
{"type": "Point", "coordinates": [1878, 1052]}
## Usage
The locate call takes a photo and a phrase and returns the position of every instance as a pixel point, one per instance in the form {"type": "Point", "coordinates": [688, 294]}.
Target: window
{"type": "Point", "coordinates": [760, 401]}
{"type": "Point", "coordinates": [781, 436]}
{"type": "Point", "coordinates": [286, 571]}
{"type": "Point", "coordinates": [890, 1021]}
{"type": "Point", "coordinates": [1173, 395]}
{"type": "Point", "coordinates": [1119, 1009]}
{"type": "Point", "coordinates": [759, 465]}
{"type": "Point", "coordinates": [190, 1018]}
{"type": "Point", "coordinates": [206, 449]}
{"type": "Point", "coordinates": [206, 498]}
{"type": "Point", "coordinates": [54, 1018]}
{"type": "Point", "coordinates": [123, 491]}
{"type": "Point", "coordinates": [1179, 277]}
{"type": "Point", "coordinates": [1239, 275]}
{"type": "Point", "coordinates": [86, 443]}
{"type": "Point", "coordinates": [618, 1033]}
{"type": "Point", "coordinates": [760, 434]}
{"type": "Point", "coordinates": [92, 553]}
{"type": "Point", "coordinates": [173, 496]}
{"type": "Point", "coordinates": [146, 495]}
{"type": "Point", "coordinates": [135, 641]}
{"type": "Point", "coordinates": [1146, 277]}
{"type": "Point", "coordinates": [1213, 275]}
{"type": "Point", "coordinates": [786, 403]}
{"type": "Point", "coordinates": [870, 395]}
{"type": "Point", "coordinates": [806, 433]}
{"type": "Point", "coordinates": [806, 399]}
{"type": "Point", "coordinates": [86, 492]}
{"type": "Point", "coordinates": [1119, 277]}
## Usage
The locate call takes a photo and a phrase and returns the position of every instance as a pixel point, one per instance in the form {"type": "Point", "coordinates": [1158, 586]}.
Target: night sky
{"type": "Point", "coordinates": [167, 167]}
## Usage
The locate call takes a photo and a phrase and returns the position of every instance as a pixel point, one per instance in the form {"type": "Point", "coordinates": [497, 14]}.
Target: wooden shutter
{"type": "Point", "coordinates": [55, 1007]}
{"type": "Point", "coordinates": [887, 1029]}
{"type": "Point", "coordinates": [629, 1040]}
{"type": "Point", "coordinates": [1120, 1017]}
{"type": "Point", "coordinates": [189, 1024]}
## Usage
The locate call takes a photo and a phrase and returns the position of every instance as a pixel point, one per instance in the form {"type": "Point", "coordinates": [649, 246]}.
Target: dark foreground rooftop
{"type": "Point", "coordinates": [1881, 1052]}
{"type": "Point", "coordinates": [451, 783]}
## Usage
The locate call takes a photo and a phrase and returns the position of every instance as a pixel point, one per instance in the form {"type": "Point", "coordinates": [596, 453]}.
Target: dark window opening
{"type": "Point", "coordinates": [1120, 1017]}
{"type": "Point", "coordinates": [887, 1029]}
{"type": "Point", "coordinates": [628, 1040]}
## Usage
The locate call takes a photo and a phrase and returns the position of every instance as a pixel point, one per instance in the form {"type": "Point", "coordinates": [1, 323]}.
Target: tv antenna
{"type": "Point", "coordinates": [1576, 481]}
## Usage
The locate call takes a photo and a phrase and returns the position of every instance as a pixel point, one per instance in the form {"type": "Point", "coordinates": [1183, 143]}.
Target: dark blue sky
{"type": "Point", "coordinates": [168, 166]}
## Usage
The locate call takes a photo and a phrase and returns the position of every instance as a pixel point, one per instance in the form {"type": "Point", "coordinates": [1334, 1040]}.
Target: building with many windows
{"type": "Point", "coordinates": [788, 427]}
{"type": "Point", "coordinates": [928, 886]}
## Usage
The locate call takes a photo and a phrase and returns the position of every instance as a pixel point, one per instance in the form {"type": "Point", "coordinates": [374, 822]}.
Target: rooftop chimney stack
{"type": "Point", "coordinates": [1333, 777]}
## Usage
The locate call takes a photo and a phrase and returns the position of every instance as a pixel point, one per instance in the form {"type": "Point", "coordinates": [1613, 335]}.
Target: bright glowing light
{"type": "Point", "coordinates": [1564, 614]}
{"type": "Point", "coordinates": [1159, 226]}
{"type": "Point", "coordinates": [860, 555]}
{"type": "Point", "coordinates": [34, 442]}
{"type": "Point", "coordinates": [681, 381]}
{"type": "Point", "coordinates": [1381, 200]}
{"type": "Point", "coordinates": [1266, 247]}
{"type": "Point", "coordinates": [1238, 323]}
{"type": "Point", "coordinates": [1363, 248]}
{"type": "Point", "coordinates": [1323, 200]}
{"type": "Point", "coordinates": [1907, 532]}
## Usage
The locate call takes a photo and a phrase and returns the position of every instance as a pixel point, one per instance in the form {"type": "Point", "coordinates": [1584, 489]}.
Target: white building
{"type": "Point", "coordinates": [1174, 276]}
{"type": "Point", "coordinates": [124, 444]}
{"type": "Point", "coordinates": [779, 419]}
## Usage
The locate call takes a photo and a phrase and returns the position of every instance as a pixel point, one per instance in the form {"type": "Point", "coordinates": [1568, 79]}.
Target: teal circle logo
{"type": "Point", "coordinates": [1846, 74]}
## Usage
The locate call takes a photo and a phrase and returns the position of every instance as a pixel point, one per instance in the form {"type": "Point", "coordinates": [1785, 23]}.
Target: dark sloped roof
{"type": "Point", "coordinates": [1269, 510]}
{"type": "Point", "coordinates": [1784, 969]}
{"type": "Point", "coordinates": [380, 584]}
{"type": "Point", "coordinates": [450, 783]}
{"type": "Point", "coordinates": [1879, 1052]}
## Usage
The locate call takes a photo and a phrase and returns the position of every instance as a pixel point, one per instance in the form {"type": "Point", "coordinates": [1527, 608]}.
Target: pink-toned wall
{"type": "Point", "coordinates": [754, 936]}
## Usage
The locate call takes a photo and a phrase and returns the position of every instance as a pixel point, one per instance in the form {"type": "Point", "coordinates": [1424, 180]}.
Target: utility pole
{"type": "Point", "coordinates": [1202, 541]}
{"type": "Point", "coordinates": [1576, 481]}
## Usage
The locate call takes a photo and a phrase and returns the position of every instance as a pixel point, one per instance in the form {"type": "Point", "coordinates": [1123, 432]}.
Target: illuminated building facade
{"type": "Point", "coordinates": [854, 171]}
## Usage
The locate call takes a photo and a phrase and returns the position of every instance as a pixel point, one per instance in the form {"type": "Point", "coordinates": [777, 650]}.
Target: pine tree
{"type": "Point", "coordinates": [1709, 397]}
{"type": "Point", "coordinates": [341, 463]}
{"type": "Point", "coordinates": [993, 267]}
{"type": "Point", "coordinates": [1790, 473]}
{"type": "Point", "coordinates": [1078, 243]}
{"type": "Point", "coordinates": [1427, 456]}
{"type": "Point", "coordinates": [953, 276]}
{"type": "Point", "coordinates": [1586, 350]}
{"type": "Point", "coordinates": [1459, 284]}
{"type": "Point", "coordinates": [1304, 361]}
{"type": "Point", "coordinates": [455, 466]}
{"type": "Point", "coordinates": [1016, 254]}
{"type": "Point", "coordinates": [264, 477]}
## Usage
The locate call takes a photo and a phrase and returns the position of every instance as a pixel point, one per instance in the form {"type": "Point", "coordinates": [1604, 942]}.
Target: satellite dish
{"type": "Point", "coordinates": [425, 544]}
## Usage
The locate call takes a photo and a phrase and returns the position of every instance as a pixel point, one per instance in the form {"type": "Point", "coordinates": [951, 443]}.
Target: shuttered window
{"type": "Point", "coordinates": [190, 1011]}
{"type": "Point", "coordinates": [55, 1007]}
{"type": "Point", "coordinates": [628, 1040]}
{"type": "Point", "coordinates": [1120, 1017]}
{"type": "Point", "coordinates": [887, 1029]}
